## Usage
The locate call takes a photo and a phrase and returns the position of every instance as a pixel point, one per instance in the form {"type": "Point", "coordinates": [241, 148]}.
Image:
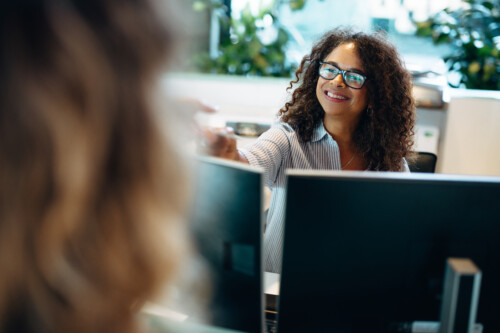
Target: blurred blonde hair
{"type": "Point", "coordinates": [91, 192]}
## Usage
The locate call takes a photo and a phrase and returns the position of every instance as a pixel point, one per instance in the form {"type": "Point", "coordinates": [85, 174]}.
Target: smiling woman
{"type": "Point", "coordinates": [343, 103]}
{"type": "Point", "coordinates": [387, 114]}
{"type": "Point", "coordinates": [352, 110]}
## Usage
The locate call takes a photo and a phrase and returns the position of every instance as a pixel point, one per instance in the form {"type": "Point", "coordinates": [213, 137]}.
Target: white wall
{"type": "Point", "coordinates": [235, 96]}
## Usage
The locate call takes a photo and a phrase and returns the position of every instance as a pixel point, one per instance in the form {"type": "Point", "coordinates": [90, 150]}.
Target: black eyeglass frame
{"type": "Point", "coordinates": [342, 73]}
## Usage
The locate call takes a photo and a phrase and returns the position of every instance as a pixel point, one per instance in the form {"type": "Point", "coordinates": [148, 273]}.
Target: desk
{"type": "Point", "coordinates": [159, 319]}
{"type": "Point", "coordinates": [165, 317]}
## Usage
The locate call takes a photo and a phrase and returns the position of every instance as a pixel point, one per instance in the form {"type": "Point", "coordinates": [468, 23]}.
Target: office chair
{"type": "Point", "coordinates": [424, 162]}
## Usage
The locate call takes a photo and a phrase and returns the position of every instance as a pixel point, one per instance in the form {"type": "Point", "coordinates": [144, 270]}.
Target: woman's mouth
{"type": "Point", "coordinates": [335, 97]}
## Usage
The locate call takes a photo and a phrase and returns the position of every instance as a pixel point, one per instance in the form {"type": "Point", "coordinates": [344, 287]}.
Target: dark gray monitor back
{"type": "Point", "coordinates": [227, 225]}
{"type": "Point", "coordinates": [365, 252]}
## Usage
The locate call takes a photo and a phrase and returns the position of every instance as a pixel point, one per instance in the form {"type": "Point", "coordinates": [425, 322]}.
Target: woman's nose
{"type": "Point", "coordinates": [338, 81]}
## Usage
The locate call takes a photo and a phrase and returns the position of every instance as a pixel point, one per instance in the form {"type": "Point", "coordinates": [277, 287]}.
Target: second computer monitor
{"type": "Point", "coordinates": [226, 220]}
{"type": "Point", "coordinates": [366, 252]}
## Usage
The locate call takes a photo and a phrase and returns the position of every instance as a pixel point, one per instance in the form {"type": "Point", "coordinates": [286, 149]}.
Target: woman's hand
{"type": "Point", "coordinates": [212, 141]}
{"type": "Point", "coordinates": [219, 142]}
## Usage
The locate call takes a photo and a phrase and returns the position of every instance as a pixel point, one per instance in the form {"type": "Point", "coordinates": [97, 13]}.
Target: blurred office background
{"type": "Point", "coordinates": [242, 54]}
{"type": "Point", "coordinates": [306, 24]}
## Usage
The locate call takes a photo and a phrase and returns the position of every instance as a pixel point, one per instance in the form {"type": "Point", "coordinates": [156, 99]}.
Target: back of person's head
{"type": "Point", "coordinates": [89, 187]}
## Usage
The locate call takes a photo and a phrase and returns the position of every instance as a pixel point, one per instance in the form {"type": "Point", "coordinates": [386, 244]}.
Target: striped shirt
{"type": "Point", "coordinates": [276, 150]}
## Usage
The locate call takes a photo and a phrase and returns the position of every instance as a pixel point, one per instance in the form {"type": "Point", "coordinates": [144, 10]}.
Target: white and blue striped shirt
{"type": "Point", "coordinates": [276, 150]}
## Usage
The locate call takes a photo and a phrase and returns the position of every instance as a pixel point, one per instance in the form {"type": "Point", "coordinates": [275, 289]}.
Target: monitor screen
{"type": "Point", "coordinates": [365, 251]}
{"type": "Point", "coordinates": [227, 226]}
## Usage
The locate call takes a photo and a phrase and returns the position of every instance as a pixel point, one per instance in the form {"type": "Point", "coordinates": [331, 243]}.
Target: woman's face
{"type": "Point", "coordinates": [336, 98]}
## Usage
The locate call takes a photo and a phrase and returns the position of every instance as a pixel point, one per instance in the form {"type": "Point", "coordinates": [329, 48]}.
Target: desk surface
{"type": "Point", "coordinates": [159, 319]}
{"type": "Point", "coordinates": [271, 287]}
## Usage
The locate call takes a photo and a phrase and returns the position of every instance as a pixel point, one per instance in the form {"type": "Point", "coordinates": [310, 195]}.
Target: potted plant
{"type": "Point", "coordinates": [474, 32]}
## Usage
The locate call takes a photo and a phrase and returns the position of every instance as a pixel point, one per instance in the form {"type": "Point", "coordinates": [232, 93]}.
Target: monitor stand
{"type": "Point", "coordinates": [460, 296]}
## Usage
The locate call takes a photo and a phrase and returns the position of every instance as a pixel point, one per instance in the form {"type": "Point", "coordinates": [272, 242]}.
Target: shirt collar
{"type": "Point", "coordinates": [319, 132]}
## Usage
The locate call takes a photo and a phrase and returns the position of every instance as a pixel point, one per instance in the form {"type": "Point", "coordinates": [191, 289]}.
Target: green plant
{"type": "Point", "coordinates": [242, 49]}
{"type": "Point", "coordinates": [474, 31]}
{"type": "Point", "coordinates": [243, 52]}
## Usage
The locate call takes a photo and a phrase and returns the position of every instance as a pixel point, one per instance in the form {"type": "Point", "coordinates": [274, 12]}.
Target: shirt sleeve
{"type": "Point", "coordinates": [269, 152]}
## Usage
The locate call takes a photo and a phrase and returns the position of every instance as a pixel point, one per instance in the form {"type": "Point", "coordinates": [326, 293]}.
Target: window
{"type": "Point", "coordinates": [305, 26]}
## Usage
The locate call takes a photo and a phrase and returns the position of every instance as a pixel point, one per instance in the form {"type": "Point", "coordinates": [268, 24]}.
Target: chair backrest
{"type": "Point", "coordinates": [424, 162]}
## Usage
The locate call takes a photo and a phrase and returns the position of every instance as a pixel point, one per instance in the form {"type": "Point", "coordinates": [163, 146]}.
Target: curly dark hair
{"type": "Point", "coordinates": [385, 131]}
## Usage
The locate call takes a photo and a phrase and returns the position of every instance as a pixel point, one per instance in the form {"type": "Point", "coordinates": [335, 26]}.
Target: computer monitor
{"type": "Point", "coordinates": [366, 252]}
{"type": "Point", "coordinates": [227, 225]}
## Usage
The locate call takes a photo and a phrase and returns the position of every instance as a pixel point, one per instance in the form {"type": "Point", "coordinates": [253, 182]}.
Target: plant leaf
{"type": "Point", "coordinates": [297, 4]}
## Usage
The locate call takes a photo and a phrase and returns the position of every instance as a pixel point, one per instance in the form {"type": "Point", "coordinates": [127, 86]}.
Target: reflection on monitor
{"type": "Point", "coordinates": [227, 224]}
{"type": "Point", "coordinates": [366, 252]}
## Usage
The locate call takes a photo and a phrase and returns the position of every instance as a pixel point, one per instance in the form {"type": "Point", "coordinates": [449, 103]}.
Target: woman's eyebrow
{"type": "Point", "coordinates": [350, 69]}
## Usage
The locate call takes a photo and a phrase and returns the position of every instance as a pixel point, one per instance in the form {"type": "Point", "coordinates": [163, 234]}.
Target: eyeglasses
{"type": "Point", "coordinates": [351, 79]}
